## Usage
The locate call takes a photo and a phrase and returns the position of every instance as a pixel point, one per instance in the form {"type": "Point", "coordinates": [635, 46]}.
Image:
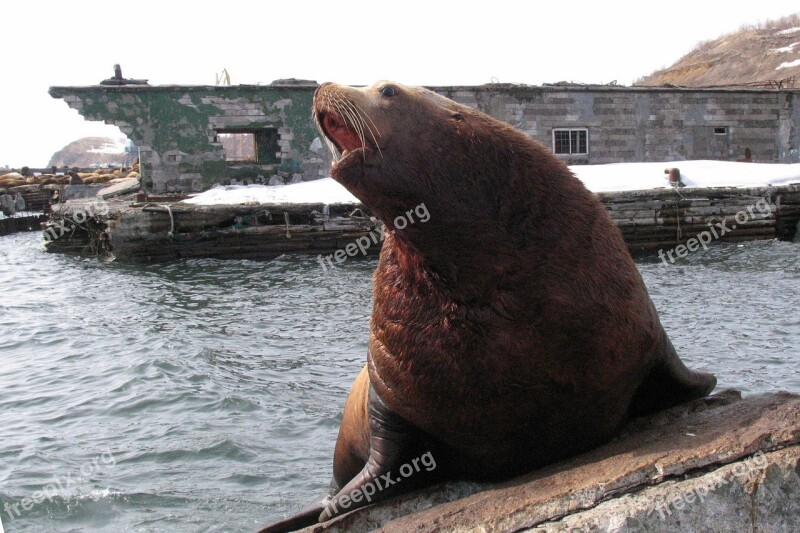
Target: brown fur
{"type": "Point", "coordinates": [352, 446]}
{"type": "Point", "coordinates": [513, 325]}
{"type": "Point", "coordinates": [512, 328]}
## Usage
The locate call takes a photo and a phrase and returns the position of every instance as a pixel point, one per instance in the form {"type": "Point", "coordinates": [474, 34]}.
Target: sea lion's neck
{"type": "Point", "coordinates": [453, 257]}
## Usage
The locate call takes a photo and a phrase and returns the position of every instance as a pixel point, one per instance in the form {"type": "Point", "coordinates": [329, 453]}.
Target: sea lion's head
{"type": "Point", "coordinates": [398, 148]}
{"type": "Point", "coordinates": [391, 143]}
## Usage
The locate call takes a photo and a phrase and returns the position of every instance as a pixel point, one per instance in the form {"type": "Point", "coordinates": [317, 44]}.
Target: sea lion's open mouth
{"type": "Point", "coordinates": [344, 137]}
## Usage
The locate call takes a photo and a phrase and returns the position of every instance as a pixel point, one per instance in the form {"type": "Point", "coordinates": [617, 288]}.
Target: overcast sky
{"type": "Point", "coordinates": [414, 42]}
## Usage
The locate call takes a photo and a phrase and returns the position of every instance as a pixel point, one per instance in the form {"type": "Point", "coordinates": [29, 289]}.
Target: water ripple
{"type": "Point", "coordinates": [205, 395]}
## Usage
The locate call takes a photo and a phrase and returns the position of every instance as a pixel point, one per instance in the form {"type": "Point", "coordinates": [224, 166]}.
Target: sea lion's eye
{"type": "Point", "coordinates": [388, 91]}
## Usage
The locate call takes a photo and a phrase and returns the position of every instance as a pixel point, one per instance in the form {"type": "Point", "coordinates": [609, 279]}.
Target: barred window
{"type": "Point", "coordinates": [571, 141]}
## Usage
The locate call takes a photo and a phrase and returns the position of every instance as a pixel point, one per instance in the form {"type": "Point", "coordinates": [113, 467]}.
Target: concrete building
{"type": "Point", "coordinates": [191, 137]}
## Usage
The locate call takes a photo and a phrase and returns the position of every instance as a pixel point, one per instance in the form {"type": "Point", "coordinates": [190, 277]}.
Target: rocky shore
{"type": "Point", "coordinates": [722, 463]}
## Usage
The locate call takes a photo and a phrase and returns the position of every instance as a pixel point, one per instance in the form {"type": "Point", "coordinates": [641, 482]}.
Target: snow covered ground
{"type": "Point", "coordinates": [636, 176]}
{"type": "Point", "coordinates": [325, 191]}
{"type": "Point", "coordinates": [598, 178]}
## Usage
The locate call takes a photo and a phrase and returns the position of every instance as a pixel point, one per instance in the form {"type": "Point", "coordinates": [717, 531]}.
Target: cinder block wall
{"type": "Point", "coordinates": [627, 124]}
{"type": "Point", "coordinates": [176, 127]}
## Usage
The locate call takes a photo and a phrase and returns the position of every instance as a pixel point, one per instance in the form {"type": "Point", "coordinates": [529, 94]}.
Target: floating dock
{"type": "Point", "coordinates": [163, 229]}
{"type": "Point", "coordinates": [17, 224]}
{"type": "Point", "coordinates": [34, 203]}
{"type": "Point", "coordinates": [657, 219]}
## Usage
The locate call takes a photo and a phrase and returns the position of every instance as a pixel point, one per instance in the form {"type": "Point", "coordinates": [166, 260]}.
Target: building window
{"type": "Point", "coordinates": [250, 146]}
{"type": "Point", "coordinates": [571, 141]}
{"type": "Point", "coordinates": [239, 146]}
{"type": "Point", "coordinates": [721, 130]}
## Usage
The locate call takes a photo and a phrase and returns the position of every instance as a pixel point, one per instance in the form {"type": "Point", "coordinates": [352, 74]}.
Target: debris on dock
{"type": "Point", "coordinates": [153, 229]}
{"type": "Point", "coordinates": [162, 229]}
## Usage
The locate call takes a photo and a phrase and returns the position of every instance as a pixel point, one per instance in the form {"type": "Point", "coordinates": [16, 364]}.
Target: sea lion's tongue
{"type": "Point", "coordinates": [345, 138]}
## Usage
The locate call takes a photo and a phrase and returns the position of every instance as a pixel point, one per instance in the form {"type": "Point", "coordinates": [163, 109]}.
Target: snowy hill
{"type": "Point", "coordinates": [765, 55]}
{"type": "Point", "coordinates": [92, 151]}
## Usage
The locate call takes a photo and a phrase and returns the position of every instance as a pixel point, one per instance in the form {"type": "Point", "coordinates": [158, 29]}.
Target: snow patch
{"type": "Point", "coordinates": [115, 146]}
{"type": "Point", "coordinates": [789, 64]}
{"type": "Point", "coordinates": [637, 176]}
{"type": "Point", "coordinates": [785, 49]}
{"type": "Point", "coordinates": [788, 31]}
{"type": "Point", "coordinates": [597, 178]}
{"type": "Point", "coordinates": [324, 191]}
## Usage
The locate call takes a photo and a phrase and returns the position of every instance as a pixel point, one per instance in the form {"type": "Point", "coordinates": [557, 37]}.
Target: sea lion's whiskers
{"type": "Point", "coordinates": [363, 124]}
{"type": "Point", "coordinates": [326, 104]}
{"type": "Point", "coordinates": [317, 123]}
{"type": "Point", "coordinates": [364, 115]}
{"type": "Point", "coordinates": [334, 150]}
{"type": "Point", "coordinates": [360, 124]}
{"type": "Point", "coordinates": [354, 120]}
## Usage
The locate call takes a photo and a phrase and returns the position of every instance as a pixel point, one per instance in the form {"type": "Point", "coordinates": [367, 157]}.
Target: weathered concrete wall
{"type": "Point", "coordinates": [176, 127]}
{"type": "Point", "coordinates": [649, 124]}
{"type": "Point", "coordinates": [176, 130]}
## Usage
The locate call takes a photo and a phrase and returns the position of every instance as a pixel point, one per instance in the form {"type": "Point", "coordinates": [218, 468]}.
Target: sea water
{"type": "Point", "coordinates": [205, 395]}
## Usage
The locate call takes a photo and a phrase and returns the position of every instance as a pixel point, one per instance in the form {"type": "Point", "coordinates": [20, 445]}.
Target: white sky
{"type": "Point", "coordinates": [414, 42]}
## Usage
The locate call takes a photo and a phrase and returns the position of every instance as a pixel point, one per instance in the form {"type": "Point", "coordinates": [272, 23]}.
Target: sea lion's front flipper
{"type": "Point", "coordinates": [670, 383]}
{"type": "Point", "coordinates": [307, 517]}
{"type": "Point", "coordinates": [394, 443]}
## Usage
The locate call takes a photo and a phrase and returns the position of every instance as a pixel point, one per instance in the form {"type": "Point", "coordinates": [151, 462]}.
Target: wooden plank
{"type": "Point", "coordinates": [647, 220]}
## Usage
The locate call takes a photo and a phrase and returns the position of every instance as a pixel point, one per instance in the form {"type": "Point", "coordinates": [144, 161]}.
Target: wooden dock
{"type": "Point", "coordinates": [163, 231]}
{"type": "Point", "coordinates": [17, 224]}
{"type": "Point", "coordinates": [166, 229]}
{"type": "Point", "coordinates": [659, 219]}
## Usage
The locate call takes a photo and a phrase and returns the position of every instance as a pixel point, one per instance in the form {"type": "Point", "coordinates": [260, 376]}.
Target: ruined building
{"type": "Point", "coordinates": [192, 137]}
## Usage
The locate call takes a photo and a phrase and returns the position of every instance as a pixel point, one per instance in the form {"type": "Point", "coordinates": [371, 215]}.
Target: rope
{"type": "Point", "coordinates": [286, 219]}
{"type": "Point", "coordinates": [679, 232]}
{"type": "Point", "coordinates": [171, 232]}
{"type": "Point", "coordinates": [361, 215]}
{"type": "Point", "coordinates": [362, 219]}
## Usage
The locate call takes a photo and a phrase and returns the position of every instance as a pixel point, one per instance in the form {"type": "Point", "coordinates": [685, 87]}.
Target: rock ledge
{"type": "Point", "coordinates": [722, 463]}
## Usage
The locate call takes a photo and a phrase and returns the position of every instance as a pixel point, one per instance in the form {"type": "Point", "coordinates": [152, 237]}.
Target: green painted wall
{"type": "Point", "coordinates": [175, 128]}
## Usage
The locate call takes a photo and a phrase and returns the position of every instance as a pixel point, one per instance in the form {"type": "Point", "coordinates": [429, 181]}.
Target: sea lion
{"type": "Point", "coordinates": [510, 330]}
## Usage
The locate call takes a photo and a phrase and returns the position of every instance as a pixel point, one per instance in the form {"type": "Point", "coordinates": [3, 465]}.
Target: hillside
{"type": "Point", "coordinates": [765, 55]}
{"type": "Point", "coordinates": [91, 151]}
